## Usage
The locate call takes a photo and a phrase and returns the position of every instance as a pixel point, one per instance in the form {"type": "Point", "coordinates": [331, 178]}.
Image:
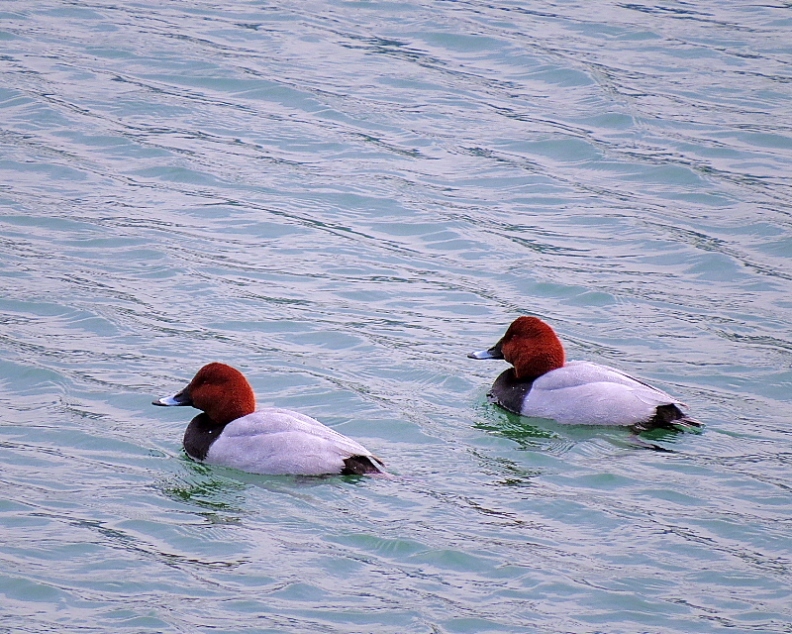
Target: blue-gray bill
{"type": "Point", "coordinates": [492, 353]}
{"type": "Point", "coordinates": [177, 399]}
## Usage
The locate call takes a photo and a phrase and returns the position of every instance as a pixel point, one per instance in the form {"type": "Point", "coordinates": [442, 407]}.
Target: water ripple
{"type": "Point", "coordinates": [344, 201]}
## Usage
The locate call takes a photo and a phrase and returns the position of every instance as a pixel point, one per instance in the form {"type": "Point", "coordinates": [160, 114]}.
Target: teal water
{"type": "Point", "coordinates": [342, 199]}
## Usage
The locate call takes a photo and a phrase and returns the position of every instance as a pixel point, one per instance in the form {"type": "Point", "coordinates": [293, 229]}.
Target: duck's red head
{"type": "Point", "coordinates": [530, 345]}
{"type": "Point", "coordinates": [219, 390]}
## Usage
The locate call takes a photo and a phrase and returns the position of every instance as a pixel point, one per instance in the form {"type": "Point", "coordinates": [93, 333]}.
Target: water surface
{"type": "Point", "coordinates": [343, 199]}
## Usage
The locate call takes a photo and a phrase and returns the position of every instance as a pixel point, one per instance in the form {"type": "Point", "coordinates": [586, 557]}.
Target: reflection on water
{"type": "Point", "coordinates": [527, 432]}
{"type": "Point", "coordinates": [534, 434]}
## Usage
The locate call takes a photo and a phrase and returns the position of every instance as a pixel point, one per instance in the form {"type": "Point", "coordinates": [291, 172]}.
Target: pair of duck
{"type": "Point", "coordinates": [273, 441]}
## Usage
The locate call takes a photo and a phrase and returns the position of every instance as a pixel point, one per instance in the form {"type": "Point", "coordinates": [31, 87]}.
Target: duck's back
{"type": "Point", "coordinates": [583, 393]}
{"type": "Point", "coordinates": [277, 441]}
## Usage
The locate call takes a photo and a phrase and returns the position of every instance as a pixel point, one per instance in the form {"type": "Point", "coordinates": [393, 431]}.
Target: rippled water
{"type": "Point", "coordinates": [343, 199]}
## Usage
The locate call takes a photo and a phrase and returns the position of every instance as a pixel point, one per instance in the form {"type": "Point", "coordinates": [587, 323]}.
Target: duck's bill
{"type": "Point", "coordinates": [182, 398]}
{"type": "Point", "coordinates": [492, 353]}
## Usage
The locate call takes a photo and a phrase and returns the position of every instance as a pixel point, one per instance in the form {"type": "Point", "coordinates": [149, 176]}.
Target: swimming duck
{"type": "Point", "coordinates": [272, 441]}
{"type": "Point", "coordinates": [543, 384]}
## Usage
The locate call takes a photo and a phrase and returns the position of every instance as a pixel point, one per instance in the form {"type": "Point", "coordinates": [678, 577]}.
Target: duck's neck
{"type": "Point", "coordinates": [537, 364]}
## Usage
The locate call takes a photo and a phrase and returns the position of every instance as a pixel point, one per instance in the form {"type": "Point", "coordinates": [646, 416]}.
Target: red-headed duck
{"type": "Point", "coordinates": [272, 441]}
{"type": "Point", "coordinates": [543, 384]}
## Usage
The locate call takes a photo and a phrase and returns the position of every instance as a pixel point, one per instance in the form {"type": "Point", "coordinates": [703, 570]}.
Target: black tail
{"type": "Point", "coordinates": [688, 422]}
{"type": "Point", "coordinates": [669, 417]}
{"type": "Point", "coordinates": [362, 465]}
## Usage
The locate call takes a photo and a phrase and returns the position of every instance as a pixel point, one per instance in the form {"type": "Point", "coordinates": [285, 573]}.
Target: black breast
{"type": "Point", "coordinates": [199, 436]}
{"type": "Point", "coordinates": [509, 392]}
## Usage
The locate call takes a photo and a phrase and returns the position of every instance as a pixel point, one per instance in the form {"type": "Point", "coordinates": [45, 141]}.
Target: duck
{"type": "Point", "coordinates": [230, 432]}
{"type": "Point", "coordinates": [541, 383]}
